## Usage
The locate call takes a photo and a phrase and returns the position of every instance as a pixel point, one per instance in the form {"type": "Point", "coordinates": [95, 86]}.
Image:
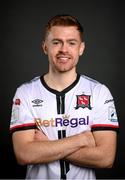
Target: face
{"type": "Point", "coordinates": [63, 47]}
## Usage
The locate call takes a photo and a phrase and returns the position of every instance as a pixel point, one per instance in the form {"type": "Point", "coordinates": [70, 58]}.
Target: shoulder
{"type": "Point", "coordinates": [28, 86]}
{"type": "Point", "coordinates": [89, 79]}
{"type": "Point", "coordinates": [90, 82]}
{"type": "Point", "coordinates": [93, 85]}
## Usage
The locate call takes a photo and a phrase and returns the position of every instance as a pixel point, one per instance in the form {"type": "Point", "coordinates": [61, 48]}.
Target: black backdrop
{"type": "Point", "coordinates": [21, 60]}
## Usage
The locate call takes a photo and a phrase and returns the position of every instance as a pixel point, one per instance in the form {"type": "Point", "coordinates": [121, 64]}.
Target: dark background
{"type": "Point", "coordinates": [22, 22]}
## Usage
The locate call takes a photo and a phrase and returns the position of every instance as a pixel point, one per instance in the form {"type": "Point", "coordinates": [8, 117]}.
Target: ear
{"type": "Point", "coordinates": [82, 47]}
{"type": "Point", "coordinates": [44, 47]}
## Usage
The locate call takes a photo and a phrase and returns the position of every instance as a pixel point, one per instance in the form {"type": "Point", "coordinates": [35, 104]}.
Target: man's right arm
{"type": "Point", "coordinates": [29, 150]}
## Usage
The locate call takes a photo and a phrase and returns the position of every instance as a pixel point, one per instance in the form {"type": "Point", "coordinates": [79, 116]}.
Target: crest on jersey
{"type": "Point", "coordinates": [83, 101]}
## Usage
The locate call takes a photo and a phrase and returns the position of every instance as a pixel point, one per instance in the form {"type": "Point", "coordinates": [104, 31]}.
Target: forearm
{"type": "Point", "coordinates": [101, 155]}
{"type": "Point", "coordinates": [47, 151]}
{"type": "Point", "coordinates": [87, 157]}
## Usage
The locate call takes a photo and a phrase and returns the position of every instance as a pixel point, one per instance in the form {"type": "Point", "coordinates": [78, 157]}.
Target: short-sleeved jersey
{"type": "Point", "coordinates": [85, 105]}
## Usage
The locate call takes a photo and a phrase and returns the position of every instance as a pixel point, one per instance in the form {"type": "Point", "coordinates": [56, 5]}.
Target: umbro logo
{"type": "Point", "coordinates": [37, 102]}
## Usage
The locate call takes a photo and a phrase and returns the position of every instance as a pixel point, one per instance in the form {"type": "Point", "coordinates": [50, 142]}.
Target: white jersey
{"type": "Point", "coordinates": [85, 105]}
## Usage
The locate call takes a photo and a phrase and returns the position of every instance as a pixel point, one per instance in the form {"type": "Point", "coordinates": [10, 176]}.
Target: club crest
{"type": "Point", "coordinates": [83, 101]}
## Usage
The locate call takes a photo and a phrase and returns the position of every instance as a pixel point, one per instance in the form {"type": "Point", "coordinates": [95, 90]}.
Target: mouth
{"type": "Point", "coordinates": [63, 59]}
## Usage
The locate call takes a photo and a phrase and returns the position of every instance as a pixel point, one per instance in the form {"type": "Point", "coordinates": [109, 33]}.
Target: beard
{"type": "Point", "coordinates": [63, 63]}
{"type": "Point", "coordinates": [63, 67]}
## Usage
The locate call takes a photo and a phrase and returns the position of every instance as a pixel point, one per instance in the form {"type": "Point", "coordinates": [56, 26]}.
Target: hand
{"type": "Point", "coordinates": [87, 139]}
{"type": "Point", "coordinates": [40, 136]}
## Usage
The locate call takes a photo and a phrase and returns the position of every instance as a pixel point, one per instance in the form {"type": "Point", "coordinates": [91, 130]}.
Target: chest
{"type": "Point", "coordinates": [70, 112]}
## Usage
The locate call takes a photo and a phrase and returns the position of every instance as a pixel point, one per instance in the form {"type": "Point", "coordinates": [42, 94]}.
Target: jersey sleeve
{"type": "Point", "coordinates": [104, 111]}
{"type": "Point", "coordinates": [21, 116]}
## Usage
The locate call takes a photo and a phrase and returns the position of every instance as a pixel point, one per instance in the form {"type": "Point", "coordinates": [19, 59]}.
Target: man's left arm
{"type": "Point", "coordinates": [100, 156]}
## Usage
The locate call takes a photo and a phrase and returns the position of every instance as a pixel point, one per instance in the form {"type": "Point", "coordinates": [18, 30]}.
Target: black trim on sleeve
{"type": "Point", "coordinates": [22, 128]}
{"type": "Point", "coordinates": [105, 129]}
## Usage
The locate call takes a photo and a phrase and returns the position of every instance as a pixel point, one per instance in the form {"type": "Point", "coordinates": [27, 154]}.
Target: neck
{"type": "Point", "coordinates": [60, 81]}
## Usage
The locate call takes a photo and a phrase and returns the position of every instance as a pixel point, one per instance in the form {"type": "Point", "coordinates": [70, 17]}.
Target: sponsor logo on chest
{"type": "Point", "coordinates": [64, 121]}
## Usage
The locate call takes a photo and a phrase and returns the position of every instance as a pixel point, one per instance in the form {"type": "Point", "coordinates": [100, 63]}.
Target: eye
{"type": "Point", "coordinates": [72, 43]}
{"type": "Point", "coordinates": [55, 42]}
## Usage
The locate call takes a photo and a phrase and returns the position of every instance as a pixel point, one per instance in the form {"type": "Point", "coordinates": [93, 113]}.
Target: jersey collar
{"type": "Point", "coordinates": [59, 92]}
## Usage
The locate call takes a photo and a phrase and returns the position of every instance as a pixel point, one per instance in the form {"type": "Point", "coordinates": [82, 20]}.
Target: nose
{"type": "Point", "coordinates": [64, 47]}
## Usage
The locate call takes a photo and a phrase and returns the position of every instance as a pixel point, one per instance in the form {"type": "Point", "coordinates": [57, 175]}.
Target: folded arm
{"type": "Point", "coordinates": [34, 148]}
{"type": "Point", "coordinates": [100, 156]}
{"type": "Point", "coordinates": [99, 153]}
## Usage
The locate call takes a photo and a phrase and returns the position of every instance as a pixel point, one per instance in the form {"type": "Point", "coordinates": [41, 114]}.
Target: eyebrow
{"type": "Point", "coordinates": [57, 39]}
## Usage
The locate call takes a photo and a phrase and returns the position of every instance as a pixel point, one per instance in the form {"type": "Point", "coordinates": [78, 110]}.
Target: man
{"type": "Point", "coordinates": [63, 124]}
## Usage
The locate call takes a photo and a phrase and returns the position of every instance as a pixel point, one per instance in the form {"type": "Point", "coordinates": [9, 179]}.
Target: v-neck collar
{"type": "Point", "coordinates": [64, 90]}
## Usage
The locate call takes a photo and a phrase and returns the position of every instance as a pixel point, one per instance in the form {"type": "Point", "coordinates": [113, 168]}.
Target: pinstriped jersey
{"type": "Point", "coordinates": [84, 105]}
